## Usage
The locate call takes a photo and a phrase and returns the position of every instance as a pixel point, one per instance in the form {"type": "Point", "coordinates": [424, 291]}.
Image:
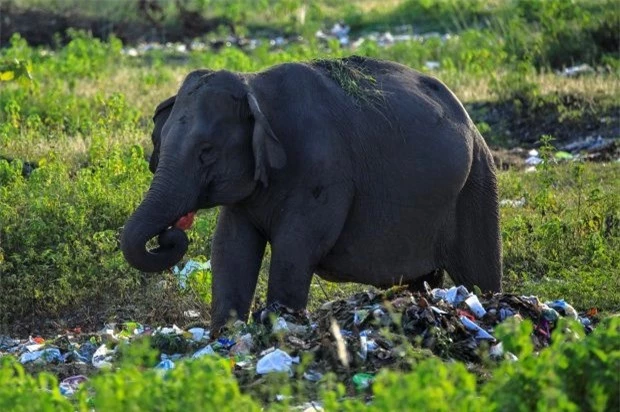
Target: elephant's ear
{"type": "Point", "coordinates": [159, 119]}
{"type": "Point", "coordinates": [268, 151]}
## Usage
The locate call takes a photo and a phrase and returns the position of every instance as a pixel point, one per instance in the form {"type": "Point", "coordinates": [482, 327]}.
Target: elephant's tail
{"type": "Point", "coordinates": [475, 257]}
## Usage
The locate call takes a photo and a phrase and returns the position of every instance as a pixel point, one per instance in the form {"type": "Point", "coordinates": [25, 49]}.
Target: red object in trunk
{"type": "Point", "coordinates": [185, 222]}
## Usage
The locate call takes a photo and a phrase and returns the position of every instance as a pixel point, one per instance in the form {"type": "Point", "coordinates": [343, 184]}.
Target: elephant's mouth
{"type": "Point", "coordinates": [185, 222]}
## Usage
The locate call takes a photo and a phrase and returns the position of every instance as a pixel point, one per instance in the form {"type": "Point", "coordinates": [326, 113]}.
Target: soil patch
{"type": "Point", "coordinates": [48, 28]}
{"type": "Point", "coordinates": [522, 121]}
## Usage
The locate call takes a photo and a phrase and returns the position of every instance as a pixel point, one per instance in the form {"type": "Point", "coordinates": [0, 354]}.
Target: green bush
{"type": "Point", "coordinates": [199, 384]}
{"type": "Point", "coordinates": [59, 232]}
{"type": "Point", "coordinates": [572, 374]}
{"type": "Point", "coordinates": [21, 392]}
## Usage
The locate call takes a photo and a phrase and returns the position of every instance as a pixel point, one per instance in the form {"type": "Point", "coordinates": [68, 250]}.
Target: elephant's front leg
{"type": "Point", "coordinates": [299, 245]}
{"type": "Point", "coordinates": [290, 272]}
{"type": "Point", "coordinates": [236, 257]}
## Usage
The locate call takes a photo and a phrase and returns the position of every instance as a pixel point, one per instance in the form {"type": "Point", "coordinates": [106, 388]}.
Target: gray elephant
{"type": "Point", "coordinates": [355, 169]}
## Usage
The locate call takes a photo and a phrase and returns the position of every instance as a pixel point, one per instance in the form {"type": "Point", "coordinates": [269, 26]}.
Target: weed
{"type": "Point", "coordinates": [351, 75]}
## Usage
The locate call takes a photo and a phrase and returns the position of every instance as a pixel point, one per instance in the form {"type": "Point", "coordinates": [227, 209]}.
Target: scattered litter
{"type": "Point", "coordinates": [578, 70]}
{"type": "Point", "coordinates": [70, 385]}
{"type": "Point", "coordinates": [365, 332]}
{"type": "Point", "coordinates": [309, 407]}
{"type": "Point", "coordinates": [191, 313]}
{"type": "Point", "coordinates": [362, 381]}
{"type": "Point", "coordinates": [190, 267]}
{"type": "Point", "coordinates": [243, 346]}
{"type": "Point", "coordinates": [280, 326]}
{"type": "Point", "coordinates": [276, 361]}
{"type": "Point", "coordinates": [432, 65]}
{"type": "Point", "coordinates": [343, 355]}
{"type": "Point", "coordinates": [207, 350]}
{"type": "Point", "coordinates": [512, 203]}
{"type": "Point", "coordinates": [533, 161]}
{"type": "Point", "coordinates": [312, 375]}
{"type": "Point", "coordinates": [47, 355]}
{"type": "Point", "coordinates": [593, 148]}
{"type": "Point", "coordinates": [165, 364]}
{"type": "Point", "coordinates": [34, 347]}
{"type": "Point", "coordinates": [472, 326]}
{"type": "Point", "coordinates": [199, 334]}
{"type": "Point", "coordinates": [475, 306]}
{"type": "Point", "coordinates": [497, 352]}
{"type": "Point", "coordinates": [562, 155]}
{"type": "Point", "coordinates": [102, 357]}
{"type": "Point", "coordinates": [563, 308]}
{"type": "Point", "coordinates": [452, 296]}
{"type": "Point", "coordinates": [174, 330]}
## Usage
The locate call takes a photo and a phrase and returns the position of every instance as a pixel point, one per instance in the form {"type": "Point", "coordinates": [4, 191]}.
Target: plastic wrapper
{"type": "Point", "coordinates": [165, 364]}
{"type": "Point", "coordinates": [478, 331]}
{"type": "Point", "coordinates": [362, 381]}
{"type": "Point", "coordinates": [243, 346]}
{"type": "Point", "coordinates": [207, 350]}
{"type": "Point", "coordinates": [102, 357]}
{"type": "Point", "coordinates": [475, 306]}
{"type": "Point", "coordinates": [71, 384]}
{"type": "Point", "coordinates": [47, 355]}
{"type": "Point", "coordinates": [198, 334]}
{"type": "Point", "coordinates": [276, 361]}
{"type": "Point", "coordinates": [563, 308]}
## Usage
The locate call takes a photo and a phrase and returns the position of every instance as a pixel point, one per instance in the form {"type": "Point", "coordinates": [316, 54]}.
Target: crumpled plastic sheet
{"type": "Point", "coordinates": [70, 385]}
{"type": "Point", "coordinates": [47, 355]}
{"type": "Point", "coordinates": [276, 361]}
{"type": "Point", "coordinates": [102, 357]}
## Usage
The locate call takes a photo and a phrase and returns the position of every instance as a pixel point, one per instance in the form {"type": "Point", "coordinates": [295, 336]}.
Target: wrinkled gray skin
{"type": "Point", "coordinates": [377, 193]}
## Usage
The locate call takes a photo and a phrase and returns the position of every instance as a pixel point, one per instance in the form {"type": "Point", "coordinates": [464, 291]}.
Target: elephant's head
{"type": "Point", "coordinates": [212, 146]}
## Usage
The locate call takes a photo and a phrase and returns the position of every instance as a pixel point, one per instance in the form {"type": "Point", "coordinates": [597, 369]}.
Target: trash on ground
{"type": "Point", "coordinates": [276, 361]}
{"type": "Point", "coordinates": [47, 355]}
{"type": "Point", "coordinates": [165, 364]}
{"type": "Point", "coordinates": [578, 70]}
{"type": "Point", "coordinates": [190, 267]}
{"type": "Point", "coordinates": [516, 203]}
{"type": "Point", "coordinates": [70, 385]}
{"type": "Point", "coordinates": [362, 381]}
{"type": "Point", "coordinates": [354, 337]}
{"type": "Point", "coordinates": [102, 357]}
{"type": "Point", "coordinates": [207, 350]}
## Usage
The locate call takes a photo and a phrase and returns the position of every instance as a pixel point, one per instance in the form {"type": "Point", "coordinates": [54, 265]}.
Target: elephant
{"type": "Point", "coordinates": [354, 169]}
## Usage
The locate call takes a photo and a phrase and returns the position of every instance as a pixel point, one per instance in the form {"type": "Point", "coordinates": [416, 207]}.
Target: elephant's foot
{"type": "Point", "coordinates": [434, 280]}
{"type": "Point", "coordinates": [270, 313]}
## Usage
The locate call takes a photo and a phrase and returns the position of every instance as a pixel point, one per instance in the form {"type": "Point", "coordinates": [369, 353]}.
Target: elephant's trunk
{"type": "Point", "coordinates": [157, 215]}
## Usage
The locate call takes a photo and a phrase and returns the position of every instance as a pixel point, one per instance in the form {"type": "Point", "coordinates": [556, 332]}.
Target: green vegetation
{"type": "Point", "coordinates": [575, 373]}
{"type": "Point", "coordinates": [352, 77]}
{"type": "Point", "coordinates": [82, 112]}
{"type": "Point", "coordinates": [564, 241]}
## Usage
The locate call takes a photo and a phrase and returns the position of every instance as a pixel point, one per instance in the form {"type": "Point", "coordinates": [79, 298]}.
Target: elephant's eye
{"type": "Point", "coordinates": [206, 155]}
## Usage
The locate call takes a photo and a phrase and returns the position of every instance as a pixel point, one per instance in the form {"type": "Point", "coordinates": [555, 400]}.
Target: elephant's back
{"type": "Point", "coordinates": [395, 124]}
{"type": "Point", "coordinates": [402, 126]}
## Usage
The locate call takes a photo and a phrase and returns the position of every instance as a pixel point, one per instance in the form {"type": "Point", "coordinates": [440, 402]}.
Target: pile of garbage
{"type": "Point", "coordinates": [354, 337]}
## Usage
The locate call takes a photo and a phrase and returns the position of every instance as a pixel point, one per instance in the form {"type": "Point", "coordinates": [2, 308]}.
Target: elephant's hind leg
{"type": "Point", "coordinates": [474, 256]}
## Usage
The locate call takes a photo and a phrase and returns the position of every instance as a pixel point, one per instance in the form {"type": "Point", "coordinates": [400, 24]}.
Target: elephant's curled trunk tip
{"type": "Point", "coordinates": [173, 244]}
